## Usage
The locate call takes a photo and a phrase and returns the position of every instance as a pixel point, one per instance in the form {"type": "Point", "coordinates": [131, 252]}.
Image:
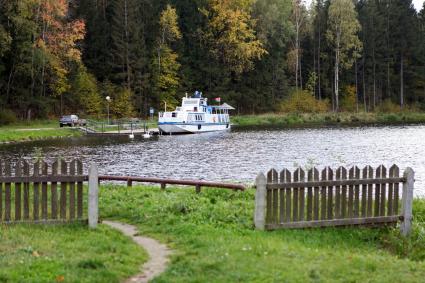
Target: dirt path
{"type": "Point", "coordinates": [158, 253]}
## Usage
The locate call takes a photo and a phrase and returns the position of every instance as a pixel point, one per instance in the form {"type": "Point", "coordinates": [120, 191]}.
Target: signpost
{"type": "Point", "coordinates": [151, 112]}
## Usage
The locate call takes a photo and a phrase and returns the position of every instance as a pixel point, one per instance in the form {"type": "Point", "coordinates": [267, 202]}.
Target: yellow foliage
{"type": "Point", "coordinates": [302, 101]}
{"type": "Point", "coordinates": [231, 34]}
{"type": "Point", "coordinates": [387, 106]}
{"type": "Point", "coordinates": [348, 101]}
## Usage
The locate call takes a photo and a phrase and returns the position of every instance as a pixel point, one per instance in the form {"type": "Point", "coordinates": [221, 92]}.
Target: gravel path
{"type": "Point", "coordinates": [158, 253]}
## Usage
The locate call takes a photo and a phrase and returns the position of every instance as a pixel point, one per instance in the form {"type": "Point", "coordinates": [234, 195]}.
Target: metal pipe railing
{"type": "Point", "coordinates": [197, 183]}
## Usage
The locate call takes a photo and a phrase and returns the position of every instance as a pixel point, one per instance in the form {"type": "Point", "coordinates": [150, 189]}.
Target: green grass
{"type": "Point", "coordinates": [41, 129]}
{"type": "Point", "coordinates": [14, 135]}
{"type": "Point", "coordinates": [327, 119]}
{"type": "Point", "coordinates": [72, 253]}
{"type": "Point", "coordinates": [214, 239]}
{"type": "Point", "coordinates": [32, 124]}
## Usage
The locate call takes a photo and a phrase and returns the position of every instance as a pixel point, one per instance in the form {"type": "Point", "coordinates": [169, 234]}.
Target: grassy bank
{"type": "Point", "coordinates": [214, 239]}
{"type": "Point", "coordinates": [35, 130]}
{"type": "Point", "coordinates": [66, 254]}
{"type": "Point", "coordinates": [328, 119]}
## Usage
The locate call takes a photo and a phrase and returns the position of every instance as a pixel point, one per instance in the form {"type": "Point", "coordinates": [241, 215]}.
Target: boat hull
{"type": "Point", "coordinates": [186, 128]}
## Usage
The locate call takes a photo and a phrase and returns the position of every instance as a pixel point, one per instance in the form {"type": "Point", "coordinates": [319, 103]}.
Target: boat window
{"type": "Point", "coordinates": [174, 114]}
{"type": "Point", "coordinates": [195, 109]}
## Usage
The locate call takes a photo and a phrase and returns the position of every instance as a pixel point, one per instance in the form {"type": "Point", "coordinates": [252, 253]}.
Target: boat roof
{"type": "Point", "coordinates": [223, 106]}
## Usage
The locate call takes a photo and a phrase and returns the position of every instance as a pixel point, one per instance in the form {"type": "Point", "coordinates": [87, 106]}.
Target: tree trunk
{"type": "Point", "coordinates": [364, 84]}
{"type": "Point", "coordinates": [357, 89]}
{"type": "Point", "coordinates": [337, 80]}
{"type": "Point", "coordinates": [127, 39]}
{"type": "Point", "coordinates": [401, 83]}
{"type": "Point", "coordinates": [374, 79]}
{"type": "Point", "coordinates": [318, 64]}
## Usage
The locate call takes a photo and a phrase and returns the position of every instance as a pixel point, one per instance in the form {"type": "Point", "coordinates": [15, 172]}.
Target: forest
{"type": "Point", "coordinates": [66, 56]}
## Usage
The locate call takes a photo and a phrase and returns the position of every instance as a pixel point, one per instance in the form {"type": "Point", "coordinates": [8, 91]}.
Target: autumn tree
{"type": "Point", "coordinates": [230, 34]}
{"type": "Point", "coordinates": [84, 86]}
{"type": "Point", "coordinates": [342, 33]}
{"type": "Point", "coordinates": [166, 65]}
{"type": "Point", "coordinates": [298, 21]}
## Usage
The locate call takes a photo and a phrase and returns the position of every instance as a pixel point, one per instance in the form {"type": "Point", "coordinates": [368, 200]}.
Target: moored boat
{"type": "Point", "coordinates": [195, 116]}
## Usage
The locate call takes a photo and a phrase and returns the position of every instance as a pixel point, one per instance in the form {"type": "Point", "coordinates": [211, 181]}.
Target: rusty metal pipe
{"type": "Point", "coordinates": [196, 183]}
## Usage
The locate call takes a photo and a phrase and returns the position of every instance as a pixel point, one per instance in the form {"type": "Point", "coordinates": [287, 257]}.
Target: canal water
{"type": "Point", "coordinates": [238, 156]}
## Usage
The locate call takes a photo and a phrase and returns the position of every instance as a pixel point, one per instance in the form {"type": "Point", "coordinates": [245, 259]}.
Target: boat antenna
{"type": "Point", "coordinates": [186, 94]}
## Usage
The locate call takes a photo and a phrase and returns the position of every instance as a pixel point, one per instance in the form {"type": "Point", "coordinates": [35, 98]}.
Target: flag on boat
{"type": "Point", "coordinates": [218, 99]}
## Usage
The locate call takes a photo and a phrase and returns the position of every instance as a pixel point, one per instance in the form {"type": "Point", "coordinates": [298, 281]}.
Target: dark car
{"type": "Point", "coordinates": [71, 121]}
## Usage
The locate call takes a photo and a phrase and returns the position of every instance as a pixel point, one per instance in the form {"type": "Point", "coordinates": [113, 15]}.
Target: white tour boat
{"type": "Point", "coordinates": [195, 116]}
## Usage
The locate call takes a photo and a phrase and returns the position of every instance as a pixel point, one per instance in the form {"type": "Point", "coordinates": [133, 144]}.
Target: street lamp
{"type": "Point", "coordinates": [108, 99]}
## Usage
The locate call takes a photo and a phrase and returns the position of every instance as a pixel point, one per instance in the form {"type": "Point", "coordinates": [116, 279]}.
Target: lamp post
{"type": "Point", "coordinates": [108, 99]}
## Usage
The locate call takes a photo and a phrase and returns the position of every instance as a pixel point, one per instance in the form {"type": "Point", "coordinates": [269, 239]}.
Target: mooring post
{"type": "Point", "coordinates": [198, 188]}
{"type": "Point", "coordinates": [260, 202]}
{"type": "Point", "coordinates": [407, 201]}
{"type": "Point", "coordinates": [93, 196]}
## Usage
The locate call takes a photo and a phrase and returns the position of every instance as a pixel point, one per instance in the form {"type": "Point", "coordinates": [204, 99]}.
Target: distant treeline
{"type": "Point", "coordinates": [61, 56]}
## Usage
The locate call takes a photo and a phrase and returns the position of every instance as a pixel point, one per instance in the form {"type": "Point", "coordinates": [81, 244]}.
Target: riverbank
{"type": "Point", "coordinates": [213, 237]}
{"type": "Point", "coordinates": [67, 253]}
{"type": "Point", "coordinates": [36, 130]}
{"type": "Point", "coordinates": [292, 120]}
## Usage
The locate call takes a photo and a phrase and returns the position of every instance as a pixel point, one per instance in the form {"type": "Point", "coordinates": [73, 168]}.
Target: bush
{"type": "Point", "coordinates": [302, 101]}
{"type": "Point", "coordinates": [7, 117]}
{"type": "Point", "coordinates": [387, 106]}
{"type": "Point", "coordinates": [348, 100]}
{"type": "Point", "coordinates": [85, 88]}
{"type": "Point", "coordinates": [122, 105]}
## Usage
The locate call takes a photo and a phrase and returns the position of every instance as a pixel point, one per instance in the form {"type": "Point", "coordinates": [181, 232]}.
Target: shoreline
{"type": "Point", "coordinates": [323, 120]}
{"type": "Point", "coordinates": [263, 121]}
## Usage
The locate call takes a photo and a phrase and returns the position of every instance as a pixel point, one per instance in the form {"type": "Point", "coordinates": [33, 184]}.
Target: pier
{"type": "Point", "coordinates": [119, 128]}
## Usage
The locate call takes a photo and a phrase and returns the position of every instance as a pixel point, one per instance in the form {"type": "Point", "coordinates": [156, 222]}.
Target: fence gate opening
{"type": "Point", "coordinates": [334, 198]}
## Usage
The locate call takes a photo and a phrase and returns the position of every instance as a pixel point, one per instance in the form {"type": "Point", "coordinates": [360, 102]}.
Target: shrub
{"type": "Point", "coordinates": [122, 105]}
{"type": "Point", "coordinates": [387, 106]}
{"type": "Point", "coordinates": [7, 117]}
{"type": "Point", "coordinates": [348, 100]}
{"type": "Point", "coordinates": [85, 88]}
{"type": "Point", "coordinates": [302, 101]}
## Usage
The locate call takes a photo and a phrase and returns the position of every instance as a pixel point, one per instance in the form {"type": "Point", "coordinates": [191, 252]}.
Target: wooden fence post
{"type": "Point", "coordinates": [93, 196]}
{"type": "Point", "coordinates": [407, 201]}
{"type": "Point", "coordinates": [260, 202]}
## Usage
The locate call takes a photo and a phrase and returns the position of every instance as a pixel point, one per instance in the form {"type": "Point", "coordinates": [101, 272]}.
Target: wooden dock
{"type": "Point", "coordinates": [121, 128]}
{"type": "Point", "coordinates": [138, 132]}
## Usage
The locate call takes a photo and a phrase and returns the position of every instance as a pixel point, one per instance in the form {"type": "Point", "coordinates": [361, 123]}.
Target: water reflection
{"type": "Point", "coordinates": [240, 155]}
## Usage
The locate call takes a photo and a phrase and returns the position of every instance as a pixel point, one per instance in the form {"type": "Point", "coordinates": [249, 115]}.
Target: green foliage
{"type": "Point", "coordinates": [122, 104]}
{"type": "Point", "coordinates": [85, 87]}
{"type": "Point", "coordinates": [245, 51]}
{"type": "Point", "coordinates": [7, 117]}
{"type": "Point", "coordinates": [387, 106]}
{"type": "Point", "coordinates": [311, 83]}
{"type": "Point", "coordinates": [165, 65]}
{"type": "Point", "coordinates": [302, 101]}
{"type": "Point", "coordinates": [343, 31]}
